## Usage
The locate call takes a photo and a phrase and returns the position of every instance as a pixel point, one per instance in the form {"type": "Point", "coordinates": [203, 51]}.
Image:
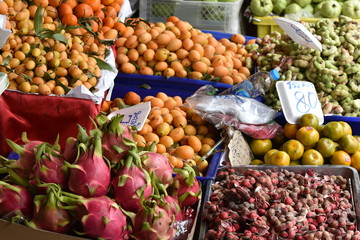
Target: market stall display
{"type": "Point", "coordinates": [88, 189]}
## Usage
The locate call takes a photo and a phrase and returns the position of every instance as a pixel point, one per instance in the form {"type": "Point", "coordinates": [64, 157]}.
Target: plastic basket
{"type": "Point", "coordinates": [217, 16]}
{"type": "Point", "coordinates": [267, 25]}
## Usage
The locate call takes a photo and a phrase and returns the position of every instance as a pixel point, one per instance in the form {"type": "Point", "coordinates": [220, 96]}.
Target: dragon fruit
{"type": "Point", "coordinates": [114, 139]}
{"type": "Point", "coordinates": [102, 218]}
{"type": "Point", "coordinates": [49, 213]}
{"type": "Point", "coordinates": [71, 146]}
{"type": "Point", "coordinates": [159, 165]}
{"type": "Point", "coordinates": [26, 154]}
{"type": "Point", "coordinates": [14, 200]}
{"type": "Point", "coordinates": [171, 206]}
{"type": "Point", "coordinates": [188, 189]}
{"type": "Point", "coordinates": [131, 184]}
{"type": "Point", "coordinates": [153, 222]}
{"type": "Point", "coordinates": [89, 176]}
{"type": "Point", "coordinates": [50, 166]}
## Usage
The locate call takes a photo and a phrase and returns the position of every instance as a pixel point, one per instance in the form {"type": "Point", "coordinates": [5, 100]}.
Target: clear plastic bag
{"type": "Point", "coordinates": [248, 115]}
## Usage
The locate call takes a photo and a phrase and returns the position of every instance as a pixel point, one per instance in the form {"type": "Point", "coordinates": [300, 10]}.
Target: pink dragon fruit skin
{"type": "Point", "coordinates": [160, 166]}
{"type": "Point", "coordinates": [172, 207]}
{"type": "Point", "coordinates": [50, 167]}
{"type": "Point", "coordinates": [102, 218]}
{"type": "Point", "coordinates": [48, 214]}
{"type": "Point", "coordinates": [113, 145]}
{"type": "Point", "coordinates": [130, 182]}
{"type": "Point", "coordinates": [89, 176]}
{"type": "Point", "coordinates": [26, 154]}
{"type": "Point", "coordinates": [15, 199]}
{"type": "Point", "coordinates": [70, 150]}
{"type": "Point", "coordinates": [188, 187]}
{"type": "Point", "coordinates": [152, 224]}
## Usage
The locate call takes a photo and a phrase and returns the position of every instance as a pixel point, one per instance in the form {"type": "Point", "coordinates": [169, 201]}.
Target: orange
{"type": "Point", "coordinates": [290, 130]}
{"type": "Point", "coordinates": [307, 136]}
{"type": "Point", "coordinates": [105, 106]}
{"type": "Point", "coordinates": [65, 9]}
{"type": "Point", "coordinates": [72, 3]}
{"type": "Point", "coordinates": [94, 4]}
{"type": "Point", "coordinates": [109, 22]}
{"type": "Point", "coordinates": [257, 162]}
{"type": "Point", "coordinates": [294, 148]}
{"type": "Point", "coordinates": [340, 158]}
{"type": "Point", "coordinates": [83, 10]}
{"type": "Point", "coordinates": [326, 147]}
{"type": "Point", "coordinates": [333, 130]}
{"type": "Point", "coordinates": [260, 146]}
{"type": "Point", "coordinates": [55, 3]}
{"type": "Point", "coordinates": [355, 160]}
{"type": "Point", "coordinates": [172, 19]}
{"type": "Point", "coordinates": [309, 120]}
{"type": "Point", "coordinates": [312, 157]}
{"type": "Point", "coordinates": [268, 155]}
{"type": "Point", "coordinates": [279, 139]}
{"type": "Point", "coordinates": [280, 158]}
{"type": "Point", "coordinates": [110, 12]}
{"type": "Point", "coordinates": [100, 14]}
{"type": "Point", "coordinates": [107, 2]}
{"type": "Point", "coordinates": [347, 127]}
{"type": "Point", "coordinates": [132, 98]}
{"type": "Point", "coordinates": [348, 143]}
{"type": "Point", "coordinates": [69, 19]}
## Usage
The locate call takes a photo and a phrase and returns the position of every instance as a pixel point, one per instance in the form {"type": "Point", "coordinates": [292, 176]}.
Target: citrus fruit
{"type": "Point", "coordinates": [347, 127]}
{"type": "Point", "coordinates": [333, 130]}
{"type": "Point", "coordinates": [295, 163]}
{"type": "Point", "coordinates": [279, 139]}
{"type": "Point", "coordinates": [257, 162]}
{"type": "Point", "coordinates": [280, 158]}
{"type": "Point", "coordinates": [348, 143]}
{"type": "Point", "coordinates": [355, 160]}
{"type": "Point", "coordinates": [309, 120]}
{"type": "Point", "coordinates": [260, 146]}
{"type": "Point", "coordinates": [290, 130]}
{"type": "Point", "coordinates": [307, 135]}
{"type": "Point", "coordinates": [268, 154]}
{"type": "Point", "coordinates": [312, 157]}
{"type": "Point", "coordinates": [326, 147]}
{"type": "Point", "coordinates": [340, 158]}
{"type": "Point", "coordinates": [294, 148]}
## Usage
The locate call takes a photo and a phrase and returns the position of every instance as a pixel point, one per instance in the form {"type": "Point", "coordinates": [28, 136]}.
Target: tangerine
{"type": "Point", "coordinates": [312, 157]}
{"type": "Point", "coordinates": [348, 143]}
{"type": "Point", "coordinates": [355, 160]}
{"type": "Point", "coordinates": [260, 146]}
{"type": "Point", "coordinates": [326, 147]}
{"type": "Point", "coordinates": [307, 136]}
{"type": "Point", "coordinates": [294, 148]}
{"type": "Point", "coordinates": [280, 158]}
{"type": "Point", "coordinates": [290, 130]}
{"type": "Point", "coordinates": [333, 130]}
{"type": "Point", "coordinates": [340, 158]}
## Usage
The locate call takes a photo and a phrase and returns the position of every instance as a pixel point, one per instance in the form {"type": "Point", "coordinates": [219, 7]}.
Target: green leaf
{"type": "Point", "coordinates": [47, 76]}
{"type": "Point", "coordinates": [27, 77]}
{"type": "Point", "coordinates": [104, 65]}
{"type": "Point", "coordinates": [6, 60]}
{"type": "Point", "coordinates": [38, 21]}
{"type": "Point", "coordinates": [60, 37]}
{"type": "Point", "coordinates": [144, 85]}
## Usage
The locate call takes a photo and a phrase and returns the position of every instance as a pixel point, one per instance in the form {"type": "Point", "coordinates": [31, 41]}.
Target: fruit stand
{"type": "Point", "coordinates": [165, 120]}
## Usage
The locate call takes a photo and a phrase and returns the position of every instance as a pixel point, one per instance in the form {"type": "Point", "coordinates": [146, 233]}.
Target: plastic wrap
{"type": "Point", "coordinates": [246, 114]}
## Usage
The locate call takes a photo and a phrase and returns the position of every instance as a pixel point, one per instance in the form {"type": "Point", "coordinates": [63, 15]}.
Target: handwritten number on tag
{"type": "Point", "coordinates": [305, 101]}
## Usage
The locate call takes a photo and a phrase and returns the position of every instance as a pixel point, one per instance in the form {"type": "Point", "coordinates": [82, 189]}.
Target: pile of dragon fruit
{"type": "Point", "coordinates": [99, 186]}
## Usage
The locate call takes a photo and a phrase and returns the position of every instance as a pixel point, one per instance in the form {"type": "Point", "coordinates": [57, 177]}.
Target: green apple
{"type": "Point", "coordinates": [351, 9]}
{"type": "Point", "coordinates": [293, 8]}
{"type": "Point", "coordinates": [303, 3]}
{"type": "Point", "coordinates": [331, 9]}
{"type": "Point", "coordinates": [261, 8]}
{"type": "Point", "coordinates": [309, 9]}
{"type": "Point", "coordinates": [279, 6]}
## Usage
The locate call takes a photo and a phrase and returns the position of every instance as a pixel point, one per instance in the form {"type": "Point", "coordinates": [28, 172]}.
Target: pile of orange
{"type": "Point", "coordinates": [309, 143]}
{"type": "Point", "coordinates": [178, 132]}
{"type": "Point", "coordinates": [176, 49]}
{"type": "Point", "coordinates": [66, 55]}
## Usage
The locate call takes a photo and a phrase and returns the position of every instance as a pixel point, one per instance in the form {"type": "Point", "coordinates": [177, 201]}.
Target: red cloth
{"type": "Point", "coordinates": [42, 117]}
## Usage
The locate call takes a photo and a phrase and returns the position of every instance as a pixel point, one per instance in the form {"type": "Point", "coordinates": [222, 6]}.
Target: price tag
{"type": "Point", "coordinates": [134, 116]}
{"type": "Point", "coordinates": [4, 82]}
{"type": "Point", "coordinates": [298, 98]}
{"type": "Point", "coordinates": [239, 150]}
{"type": "Point", "coordinates": [299, 33]}
{"type": "Point", "coordinates": [4, 33]}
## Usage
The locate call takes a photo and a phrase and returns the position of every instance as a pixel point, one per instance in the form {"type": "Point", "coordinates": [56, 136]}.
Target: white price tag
{"type": "Point", "coordinates": [239, 150]}
{"type": "Point", "coordinates": [298, 98]}
{"type": "Point", "coordinates": [134, 116]}
{"type": "Point", "coordinates": [4, 33]}
{"type": "Point", "coordinates": [4, 82]}
{"type": "Point", "coordinates": [298, 33]}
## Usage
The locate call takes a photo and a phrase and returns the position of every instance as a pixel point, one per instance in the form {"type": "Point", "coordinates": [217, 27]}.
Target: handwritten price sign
{"type": "Point", "coordinates": [298, 98]}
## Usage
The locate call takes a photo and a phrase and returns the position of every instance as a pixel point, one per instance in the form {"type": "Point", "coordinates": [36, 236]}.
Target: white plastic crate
{"type": "Point", "coordinates": [214, 16]}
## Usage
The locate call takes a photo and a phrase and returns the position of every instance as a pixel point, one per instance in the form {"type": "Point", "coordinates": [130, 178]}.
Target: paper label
{"type": "Point", "coordinates": [298, 98]}
{"type": "Point", "coordinates": [125, 11]}
{"type": "Point", "coordinates": [134, 116]}
{"type": "Point", "coordinates": [4, 82]}
{"type": "Point", "coordinates": [299, 33]}
{"type": "Point", "coordinates": [239, 150]}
